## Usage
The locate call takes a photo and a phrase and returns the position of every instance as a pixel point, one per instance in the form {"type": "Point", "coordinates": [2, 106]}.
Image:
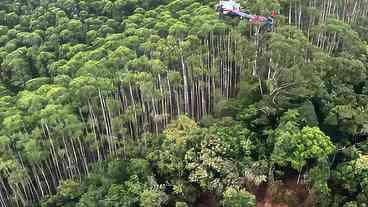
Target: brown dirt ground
{"type": "Point", "coordinates": [284, 194]}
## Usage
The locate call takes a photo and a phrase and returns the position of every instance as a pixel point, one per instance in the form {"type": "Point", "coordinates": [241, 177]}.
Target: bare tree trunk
{"type": "Point", "coordinates": [185, 79]}
{"type": "Point", "coordinates": [2, 199]}
{"type": "Point", "coordinates": [45, 178]}
{"type": "Point", "coordinates": [83, 155]}
{"type": "Point", "coordinates": [108, 135]}
{"type": "Point", "coordinates": [38, 180]}
{"type": "Point", "coordinates": [135, 132]}
{"type": "Point", "coordinates": [54, 155]}
{"type": "Point", "coordinates": [94, 131]}
{"type": "Point", "coordinates": [70, 167]}
{"type": "Point", "coordinates": [75, 159]}
{"type": "Point", "coordinates": [256, 41]}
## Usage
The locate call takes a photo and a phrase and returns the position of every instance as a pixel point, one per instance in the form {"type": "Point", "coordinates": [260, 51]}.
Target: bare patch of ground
{"type": "Point", "coordinates": [286, 193]}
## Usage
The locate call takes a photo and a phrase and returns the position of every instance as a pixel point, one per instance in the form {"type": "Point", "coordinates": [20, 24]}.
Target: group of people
{"type": "Point", "coordinates": [232, 8]}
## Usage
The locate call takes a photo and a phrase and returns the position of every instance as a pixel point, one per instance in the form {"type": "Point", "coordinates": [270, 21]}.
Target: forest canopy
{"type": "Point", "coordinates": [162, 103]}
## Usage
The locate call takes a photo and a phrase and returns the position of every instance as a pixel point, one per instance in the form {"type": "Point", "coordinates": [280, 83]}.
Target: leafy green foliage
{"type": "Point", "coordinates": [238, 198]}
{"type": "Point", "coordinates": [352, 176]}
{"type": "Point", "coordinates": [68, 195]}
{"type": "Point", "coordinates": [296, 147]}
{"type": "Point", "coordinates": [221, 157]}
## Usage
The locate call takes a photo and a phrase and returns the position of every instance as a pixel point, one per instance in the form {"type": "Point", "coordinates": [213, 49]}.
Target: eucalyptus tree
{"type": "Point", "coordinates": [178, 31]}
{"type": "Point", "coordinates": [16, 68]}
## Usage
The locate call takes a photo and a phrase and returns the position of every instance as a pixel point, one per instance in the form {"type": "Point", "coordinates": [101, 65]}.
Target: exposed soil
{"type": "Point", "coordinates": [284, 194]}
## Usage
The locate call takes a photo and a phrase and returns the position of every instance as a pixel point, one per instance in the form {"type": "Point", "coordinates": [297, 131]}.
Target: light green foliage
{"type": "Point", "coordinates": [214, 158]}
{"type": "Point", "coordinates": [317, 179]}
{"type": "Point", "coordinates": [170, 159]}
{"type": "Point", "coordinates": [92, 198]}
{"type": "Point", "coordinates": [219, 159]}
{"type": "Point", "coordinates": [181, 204]}
{"type": "Point", "coordinates": [352, 176]}
{"type": "Point", "coordinates": [296, 147]}
{"type": "Point", "coordinates": [351, 204]}
{"type": "Point", "coordinates": [68, 193]}
{"type": "Point", "coordinates": [238, 198]}
{"type": "Point", "coordinates": [124, 195]}
{"type": "Point", "coordinates": [151, 198]}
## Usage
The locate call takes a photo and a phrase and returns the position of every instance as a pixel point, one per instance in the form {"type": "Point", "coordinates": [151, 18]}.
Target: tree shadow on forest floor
{"type": "Point", "coordinates": [207, 199]}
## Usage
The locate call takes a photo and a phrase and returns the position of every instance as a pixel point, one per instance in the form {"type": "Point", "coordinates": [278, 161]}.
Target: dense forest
{"type": "Point", "coordinates": [154, 103]}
